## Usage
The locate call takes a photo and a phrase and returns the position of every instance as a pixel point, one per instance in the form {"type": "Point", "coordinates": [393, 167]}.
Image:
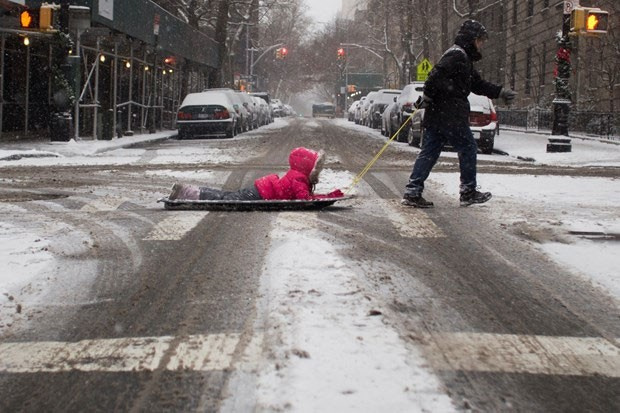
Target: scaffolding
{"type": "Point", "coordinates": [125, 79]}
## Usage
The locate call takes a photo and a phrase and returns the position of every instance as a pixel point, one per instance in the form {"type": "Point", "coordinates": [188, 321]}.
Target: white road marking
{"type": "Point", "coordinates": [176, 226]}
{"type": "Point", "coordinates": [204, 353]}
{"type": "Point", "coordinates": [106, 203]}
{"type": "Point", "coordinates": [412, 222]}
{"type": "Point", "coordinates": [508, 353]}
{"type": "Point", "coordinates": [484, 352]}
{"type": "Point", "coordinates": [196, 353]}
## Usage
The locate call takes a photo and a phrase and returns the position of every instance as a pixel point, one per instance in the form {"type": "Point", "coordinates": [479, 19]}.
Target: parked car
{"type": "Point", "coordinates": [482, 121]}
{"type": "Point", "coordinates": [265, 96]}
{"type": "Point", "coordinates": [358, 111]}
{"type": "Point", "coordinates": [324, 110]}
{"type": "Point", "coordinates": [351, 111]}
{"type": "Point", "coordinates": [276, 108]}
{"type": "Point", "coordinates": [261, 110]}
{"type": "Point", "coordinates": [389, 119]}
{"type": "Point", "coordinates": [383, 98]}
{"type": "Point", "coordinates": [207, 114]}
{"type": "Point", "coordinates": [370, 99]}
{"type": "Point", "coordinates": [248, 103]}
{"type": "Point", "coordinates": [243, 123]}
{"type": "Point", "coordinates": [407, 98]}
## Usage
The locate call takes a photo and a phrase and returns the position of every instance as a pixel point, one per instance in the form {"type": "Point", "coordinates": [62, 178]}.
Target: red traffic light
{"type": "Point", "coordinates": [281, 53]}
{"type": "Point", "coordinates": [341, 53]}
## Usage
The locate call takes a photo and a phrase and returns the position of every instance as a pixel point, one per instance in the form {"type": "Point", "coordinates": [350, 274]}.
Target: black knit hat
{"type": "Point", "coordinates": [472, 30]}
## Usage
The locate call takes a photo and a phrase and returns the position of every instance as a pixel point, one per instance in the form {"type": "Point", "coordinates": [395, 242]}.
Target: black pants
{"type": "Point", "coordinates": [246, 194]}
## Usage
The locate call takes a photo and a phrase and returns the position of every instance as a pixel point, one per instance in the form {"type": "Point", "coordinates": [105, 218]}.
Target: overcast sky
{"type": "Point", "coordinates": [323, 10]}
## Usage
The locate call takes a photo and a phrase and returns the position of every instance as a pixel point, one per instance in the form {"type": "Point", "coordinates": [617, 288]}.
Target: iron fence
{"type": "Point", "coordinates": [595, 124]}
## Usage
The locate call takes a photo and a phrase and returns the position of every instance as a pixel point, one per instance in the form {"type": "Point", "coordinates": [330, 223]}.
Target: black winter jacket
{"type": "Point", "coordinates": [449, 84]}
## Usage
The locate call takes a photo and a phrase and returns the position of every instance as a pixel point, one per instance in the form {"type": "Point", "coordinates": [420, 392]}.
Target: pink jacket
{"type": "Point", "coordinates": [297, 182]}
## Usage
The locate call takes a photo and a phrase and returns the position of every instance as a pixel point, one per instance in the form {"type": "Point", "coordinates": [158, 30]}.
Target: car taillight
{"type": "Point", "coordinates": [479, 119]}
{"type": "Point", "coordinates": [184, 116]}
{"type": "Point", "coordinates": [221, 114]}
{"type": "Point", "coordinates": [493, 116]}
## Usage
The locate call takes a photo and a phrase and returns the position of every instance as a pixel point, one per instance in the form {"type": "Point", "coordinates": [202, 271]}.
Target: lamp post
{"type": "Point", "coordinates": [562, 101]}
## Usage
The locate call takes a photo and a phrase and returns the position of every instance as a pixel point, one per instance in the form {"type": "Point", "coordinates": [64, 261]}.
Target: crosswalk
{"type": "Point", "coordinates": [482, 352]}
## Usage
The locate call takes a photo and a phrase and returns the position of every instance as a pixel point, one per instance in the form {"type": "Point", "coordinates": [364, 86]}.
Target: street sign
{"type": "Point", "coordinates": [570, 5]}
{"type": "Point", "coordinates": [424, 68]}
{"type": "Point", "coordinates": [156, 20]}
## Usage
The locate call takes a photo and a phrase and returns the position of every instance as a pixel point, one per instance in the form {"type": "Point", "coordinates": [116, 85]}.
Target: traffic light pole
{"type": "Point", "coordinates": [562, 101]}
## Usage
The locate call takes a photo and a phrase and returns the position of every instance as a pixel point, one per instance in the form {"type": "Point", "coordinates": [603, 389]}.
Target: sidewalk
{"type": "Point", "coordinates": [11, 151]}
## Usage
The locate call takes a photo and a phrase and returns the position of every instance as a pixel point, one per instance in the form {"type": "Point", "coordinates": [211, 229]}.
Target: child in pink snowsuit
{"type": "Point", "coordinates": [297, 183]}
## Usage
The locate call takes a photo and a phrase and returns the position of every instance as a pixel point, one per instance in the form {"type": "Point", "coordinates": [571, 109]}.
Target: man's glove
{"type": "Point", "coordinates": [507, 95]}
{"type": "Point", "coordinates": [423, 102]}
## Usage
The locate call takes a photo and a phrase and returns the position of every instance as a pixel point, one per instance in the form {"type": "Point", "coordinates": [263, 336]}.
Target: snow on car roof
{"type": "Point", "coordinates": [207, 98]}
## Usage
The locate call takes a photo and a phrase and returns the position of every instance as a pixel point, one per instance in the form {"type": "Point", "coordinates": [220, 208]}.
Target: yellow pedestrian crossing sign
{"type": "Point", "coordinates": [424, 68]}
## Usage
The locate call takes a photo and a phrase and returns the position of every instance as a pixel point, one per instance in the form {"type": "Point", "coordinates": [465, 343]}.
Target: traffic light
{"type": "Point", "coordinates": [29, 19]}
{"type": "Point", "coordinates": [281, 53]}
{"type": "Point", "coordinates": [43, 18]}
{"type": "Point", "coordinates": [341, 53]}
{"type": "Point", "coordinates": [588, 20]}
{"type": "Point", "coordinates": [596, 21]}
{"type": "Point", "coordinates": [46, 17]}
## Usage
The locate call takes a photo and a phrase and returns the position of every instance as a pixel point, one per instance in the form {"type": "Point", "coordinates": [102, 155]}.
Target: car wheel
{"type": "Point", "coordinates": [412, 139]}
{"type": "Point", "coordinates": [487, 149]}
{"type": "Point", "coordinates": [402, 136]}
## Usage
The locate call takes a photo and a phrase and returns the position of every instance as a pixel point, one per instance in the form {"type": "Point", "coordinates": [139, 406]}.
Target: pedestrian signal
{"type": "Point", "coordinates": [596, 21]}
{"type": "Point", "coordinates": [29, 19]}
{"type": "Point", "coordinates": [46, 17]}
{"type": "Point", "coordinates": [588, 20]}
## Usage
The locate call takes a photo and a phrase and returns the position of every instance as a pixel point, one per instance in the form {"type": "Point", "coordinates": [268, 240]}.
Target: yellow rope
{"type": "Point", "coordinates": [369, 165]}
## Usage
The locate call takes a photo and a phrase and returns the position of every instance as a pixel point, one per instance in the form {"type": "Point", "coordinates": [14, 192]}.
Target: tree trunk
{"type": "Point", "coordinates": [221, 30]}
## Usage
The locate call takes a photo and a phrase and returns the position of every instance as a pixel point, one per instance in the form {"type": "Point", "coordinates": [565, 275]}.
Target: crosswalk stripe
{"type": "Point", "coordinates": [106, 203]}
{"type": "Point", "coordinates": [411, 222]}
{"type": "Point", "coordinates": [196, 353]}
{"type": "Point", "coordinates": [481, 352]}
{"type": "Point", "coordinates": [176, 226]}
{"type": "Point", "coordinates": [485, 352]}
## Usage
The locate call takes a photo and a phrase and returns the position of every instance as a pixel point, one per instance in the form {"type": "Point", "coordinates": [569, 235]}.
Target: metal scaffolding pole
{"type": "Point", "coordinates": [27, 102]}
{"type": "Point", "coordinates": [2, 46]}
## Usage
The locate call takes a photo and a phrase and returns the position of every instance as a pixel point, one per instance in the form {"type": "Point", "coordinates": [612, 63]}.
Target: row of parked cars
{"type": "Point", "coordinates": [388, 109]}
{"type": "Point", "coordinates": [225, 112]}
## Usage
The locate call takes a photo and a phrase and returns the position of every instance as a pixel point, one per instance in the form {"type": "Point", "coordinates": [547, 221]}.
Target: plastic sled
{"type": "Point", "coordinates": [262, 205]}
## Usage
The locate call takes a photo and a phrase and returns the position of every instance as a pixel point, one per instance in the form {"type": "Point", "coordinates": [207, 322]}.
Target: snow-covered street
{"type": "Point", "coordinates": [329, 331]}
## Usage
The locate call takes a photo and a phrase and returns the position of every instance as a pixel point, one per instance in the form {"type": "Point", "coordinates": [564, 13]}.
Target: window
{"type": "Point", "coordinates": [530, 8]}
{"type": "Point", "coordinates": [513, 70]}
{"type": "Point", "coordinates": [514, 11]}
{"type": "Point", "coordinates": [545, 4]}
{"type": "Point", "coordinates": [543, 64]}
{"type": "Point", "coordinates": [528, 72]}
